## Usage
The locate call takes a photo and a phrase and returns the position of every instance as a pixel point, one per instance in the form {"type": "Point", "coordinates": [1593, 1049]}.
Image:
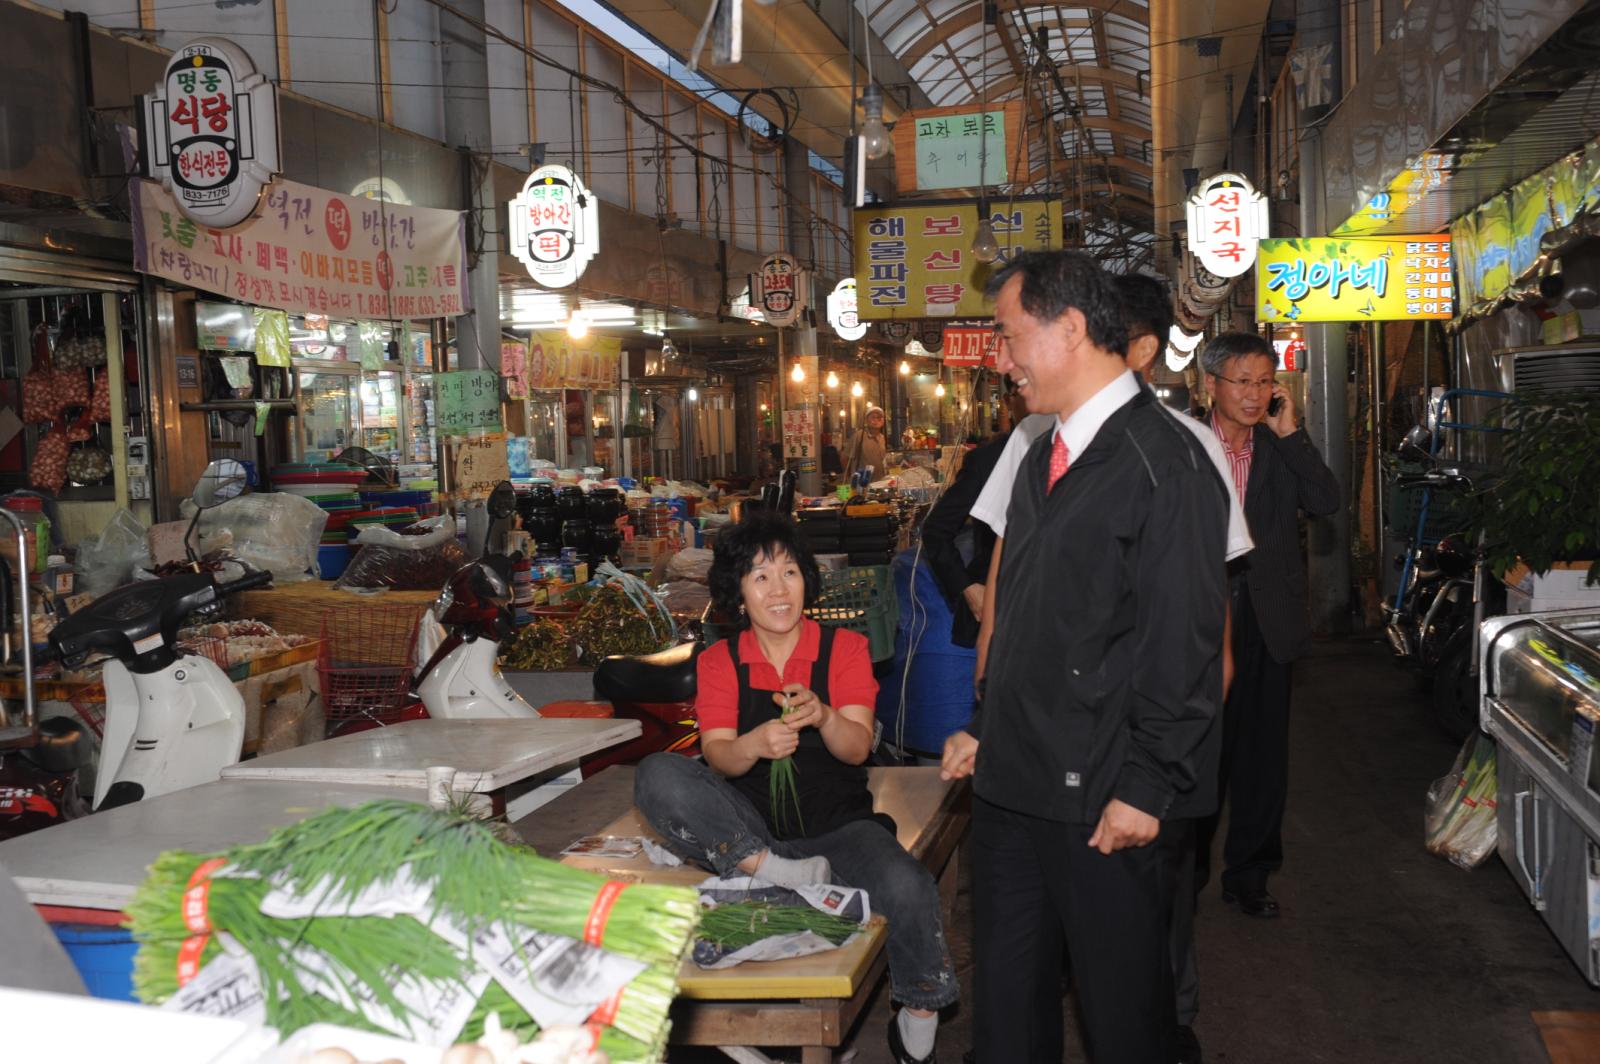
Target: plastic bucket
{"type": "Point", "coordinates": [332, 559]}
{"type": "Point", "coordinates": [103, 957]}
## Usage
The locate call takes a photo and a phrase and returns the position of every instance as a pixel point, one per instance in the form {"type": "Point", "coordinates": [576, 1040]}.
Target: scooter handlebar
{"type": "Point", "coordinates": [245, 583]}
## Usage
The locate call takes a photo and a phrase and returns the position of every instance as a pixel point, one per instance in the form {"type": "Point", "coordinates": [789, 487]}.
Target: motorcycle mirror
{"type": "Point", "coordinates": [1416, 445]}
{"type": "Point", "coordinates": [502, 501]}
{"type": "Point", "coordinates": [223, 479]}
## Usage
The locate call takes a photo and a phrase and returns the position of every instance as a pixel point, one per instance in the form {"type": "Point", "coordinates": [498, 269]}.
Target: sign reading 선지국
{"type": "Point", "coordinates": [311, 251]}
{"type": "Point", "coordinates": [211, 132]}
{"type": "Point", "coordinates": [917, 262]}
{"type": "Point", "coordinates": [555, 226]}
{"type": "Point", "coordinates": [1227, 217]}
{"type": "Point", "coordinates": [1398, 278]}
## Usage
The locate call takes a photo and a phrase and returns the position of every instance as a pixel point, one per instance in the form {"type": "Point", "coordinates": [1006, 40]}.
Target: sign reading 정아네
{"type": "Point", "coordinates": [1400, 278]}
{"type": "Point", "coordinates": [467, 401]}
{"type": "Point", "coordinates": [211, 132]}
{"type": "Point", "coordinates": [917, 262]}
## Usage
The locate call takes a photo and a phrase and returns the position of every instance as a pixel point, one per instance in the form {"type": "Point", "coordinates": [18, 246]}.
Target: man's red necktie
{"type": "Point", "coordinates": [1059, 460]}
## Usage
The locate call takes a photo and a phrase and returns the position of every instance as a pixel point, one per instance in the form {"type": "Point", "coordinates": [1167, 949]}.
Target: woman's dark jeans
{"type": "Point", "coordinates": [702, 818]}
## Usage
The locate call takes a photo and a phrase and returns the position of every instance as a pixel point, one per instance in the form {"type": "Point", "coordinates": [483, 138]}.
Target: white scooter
{"type": "Point", "coordinates": [461, 635]}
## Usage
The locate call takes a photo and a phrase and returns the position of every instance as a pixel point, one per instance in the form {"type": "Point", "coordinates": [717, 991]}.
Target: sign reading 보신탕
{"type": "Point", "coordinates": [1399, 278]}
{"type": "Point", "coordinates": [211, 132]}
{"type": "Point", "coordinates": [310, 251]}
{"type": "Point", "coordinates": [466, 401]}
{"type": "Point", "coordinates": [555, 226]}
{"type": "Point", "coordinates": [916, 261]}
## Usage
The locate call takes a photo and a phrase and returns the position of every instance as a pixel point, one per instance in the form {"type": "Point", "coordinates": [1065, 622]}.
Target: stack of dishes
{"type": "Point", "coordinates": [312, 479]}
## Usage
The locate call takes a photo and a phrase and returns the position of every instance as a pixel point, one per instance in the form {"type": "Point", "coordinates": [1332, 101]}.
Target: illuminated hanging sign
{"type": "Point", "coordinates": [847, 324]}
{"type": "Point", "coordinates": [211, 132]}
{"type": "Point", "coordinates": [555, 226]}
{"type": "Point", "coordinates": [1227, 217]}
{"type": "Point", "coordinates": [1399, 278]}
{"type": "Point", "coordinates": [778, 290]}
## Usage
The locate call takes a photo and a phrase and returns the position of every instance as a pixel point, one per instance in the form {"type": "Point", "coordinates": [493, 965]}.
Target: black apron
{"type": "Point", "coordinates": [831, 793]}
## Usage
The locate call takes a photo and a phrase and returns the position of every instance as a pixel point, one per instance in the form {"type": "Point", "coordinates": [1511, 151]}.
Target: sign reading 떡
{"type": "Point", "coordinates": [1399, 278]}
{"type": "Point", "coordinates": [211, 133]}
{"type": "Point", "coordinates": [777, 288]}
{"type": "Point", "coordinates": [843, 311]}
{"type": "Point", "coordinates": [1227, 217]}
{"type": "Point", "coordinates": [555, 226]}
{"type": "Point", "coordinates": [917, 262]}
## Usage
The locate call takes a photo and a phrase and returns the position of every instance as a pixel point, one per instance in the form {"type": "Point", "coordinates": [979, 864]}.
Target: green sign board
{"type": "Point", "coordinates": [467, 401]}
{"type": "Point", "coordinates": [949, 148]}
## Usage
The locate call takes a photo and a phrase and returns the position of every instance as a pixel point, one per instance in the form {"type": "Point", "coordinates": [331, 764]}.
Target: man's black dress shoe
{"type": "Point", "coordinates": [1253, 902]}
{"type": "Point", "coordinates": [1188, 1046]}
{"type": "Point", "coordinates": [897, 1048]}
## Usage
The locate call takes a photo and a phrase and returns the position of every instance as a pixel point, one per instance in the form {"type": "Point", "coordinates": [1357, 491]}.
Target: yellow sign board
{"type": "Point", "coordinates": [916, 261]}
{"type": "Point", "coordinates": [555, 360]}
{"type": "Point", "coordinates": [1395, 278]}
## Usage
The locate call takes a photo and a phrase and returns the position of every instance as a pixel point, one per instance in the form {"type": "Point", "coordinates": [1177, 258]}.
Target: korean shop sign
{"type": "Point", "coordinates": [467, 401]}
{"type": "Point", "coordinates": [944, 147]}
{"type": "Point", "coordinates": [1397, 278]}
{"type": "Point", "coordinates": [555, 360]}
{"type": "Point", "coordinates": [915, 261]}
{"type": "Point", "coordinates": [777, 289]}
{"type": "Point", "coordinates": [1227, 217]}
{"type": "Point", "coordinates": [311, 251]}
{"type": "Point", "coordinates": [211, 132]}
{"type": "Point", "coordinates": [555, 226]}
{"type": "Point", "coordinates": [843, 311]}
{"type": "Point", "coordinates": [969, 345]}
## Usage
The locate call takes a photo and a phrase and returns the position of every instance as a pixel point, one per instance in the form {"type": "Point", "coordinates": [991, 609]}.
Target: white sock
{"type": "Point", "coordinates": [917, 1032]}
{"type": "Point", "coordinates": [793, 871]}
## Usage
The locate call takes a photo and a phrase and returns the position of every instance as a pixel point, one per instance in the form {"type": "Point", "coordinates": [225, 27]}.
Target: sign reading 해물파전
{"type": "Point", "coordinates": [1391, 278]}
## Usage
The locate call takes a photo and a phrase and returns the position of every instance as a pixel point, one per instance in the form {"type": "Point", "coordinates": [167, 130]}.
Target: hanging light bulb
{"type": "Point", "coordinates": [938, 390]}
{"type": "Point", "coordinates": [577, 325]}
{"type": "Point", "coordinates": [763, 408]}
{"type": "Point", "coordinates": [905, 368]}
{"type": "Point", "coordinates": [798, 374]}
{"type": "Point", "coordinates": [875, 141]}
{"type": "Point", "coordinates": [985, 248]}
{"type": "Point", "coordinates": [857, 391]}
{"type": "Point", "coordinates": [669, 351]}
{"type": "Point", "coordinates": [694, 394]}
{"type": "Point", "coordinates": [833, 379]}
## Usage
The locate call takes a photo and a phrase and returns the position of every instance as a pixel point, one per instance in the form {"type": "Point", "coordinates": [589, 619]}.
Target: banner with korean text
{"type": "Point", "coordinates": [1392, 278]}
{"type": "Point", "coordinates": [916, 261]}
{"type": "Point", "coordinates": [555, 360]}
{"type": "Point", "coordinates": [310, 251]}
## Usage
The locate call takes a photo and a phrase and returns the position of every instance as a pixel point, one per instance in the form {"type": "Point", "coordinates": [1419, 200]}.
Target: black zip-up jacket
{"type": "Point", "coordinates": [1106, 661]}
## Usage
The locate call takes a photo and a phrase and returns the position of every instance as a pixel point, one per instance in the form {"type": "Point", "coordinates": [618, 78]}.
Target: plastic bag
{"type": "Point", "coordinates": [406, 562]}
{"type": "Point", "coordinates": [270, 530]}
{"type": "Point", "coordinates": [1460, 819]}
{"type": "Point", "coordinates": [111, 559]}
{"type": "Point", "coordinates": [691, 563]}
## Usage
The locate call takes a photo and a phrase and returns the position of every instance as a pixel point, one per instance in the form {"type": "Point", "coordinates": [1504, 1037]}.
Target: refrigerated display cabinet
{"type": "Point", "coordinates": [1540, 701]}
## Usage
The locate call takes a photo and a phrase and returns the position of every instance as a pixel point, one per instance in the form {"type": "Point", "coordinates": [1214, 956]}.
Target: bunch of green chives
{"type": "Point", "coordinates": [783, 787]}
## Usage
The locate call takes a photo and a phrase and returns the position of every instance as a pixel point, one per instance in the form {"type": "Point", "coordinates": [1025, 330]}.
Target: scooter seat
{"type": "Point", "coordinates": [665, 676]}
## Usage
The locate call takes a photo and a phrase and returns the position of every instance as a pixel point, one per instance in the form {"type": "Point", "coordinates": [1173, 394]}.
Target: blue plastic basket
{"type": "Point", "coordinates": [103, 957]}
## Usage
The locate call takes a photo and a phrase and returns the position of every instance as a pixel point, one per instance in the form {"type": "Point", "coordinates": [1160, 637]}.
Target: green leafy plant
{"type": "Point", "coordinates": [1541, 503]}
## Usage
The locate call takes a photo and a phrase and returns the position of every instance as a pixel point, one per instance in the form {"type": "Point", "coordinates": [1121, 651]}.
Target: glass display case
{"type": "Point", "coordinates": [380, 415]}
{"type": "Point", "coordinates": [1542, 676]}
{"type": "Point", "coordinates": [329, 404]}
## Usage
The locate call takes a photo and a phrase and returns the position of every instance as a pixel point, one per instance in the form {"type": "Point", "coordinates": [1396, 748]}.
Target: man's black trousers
{"type": "Point", "coordinates": [1032, 880]}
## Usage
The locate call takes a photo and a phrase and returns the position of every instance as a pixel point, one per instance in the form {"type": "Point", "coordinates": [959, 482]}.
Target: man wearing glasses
{"type": "Point", "coordinates": [1278, 473]}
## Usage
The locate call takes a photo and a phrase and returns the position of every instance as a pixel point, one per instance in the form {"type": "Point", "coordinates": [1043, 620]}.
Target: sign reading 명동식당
{"type": "Point", "coordinates": [916, 261]}
{"type": "Point", "coordinates": [1398, 278]}
{"type": "Point", "coordinates": [311, 251]}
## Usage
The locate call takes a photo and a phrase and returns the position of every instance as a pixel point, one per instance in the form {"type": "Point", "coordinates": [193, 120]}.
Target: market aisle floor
{"type": "Point", "coordinates": [1384, 953]}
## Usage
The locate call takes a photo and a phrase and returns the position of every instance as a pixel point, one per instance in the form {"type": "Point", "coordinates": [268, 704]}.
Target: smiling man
{"type": "Point", "coordinates": [1101, 674]}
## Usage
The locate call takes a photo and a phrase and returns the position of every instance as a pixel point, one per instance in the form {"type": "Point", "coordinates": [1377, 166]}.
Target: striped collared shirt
{"type": "Point", "coordinates": [1238, 461]}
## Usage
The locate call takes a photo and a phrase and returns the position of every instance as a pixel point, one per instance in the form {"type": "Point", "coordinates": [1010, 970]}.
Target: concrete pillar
{"type": "Point", "coordinates": [466, 126]}
{"type": "Point", "coordinates": [802, 343]}
{"type": "Point", "coordinates": [1328, 357]}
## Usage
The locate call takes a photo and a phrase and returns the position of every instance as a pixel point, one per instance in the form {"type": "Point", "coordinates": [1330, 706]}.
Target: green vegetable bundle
{"type": "Point", "coordinates": [735, 925]}
{"type": "Point", "coordinates": [783, 786]}
{"type": "Point", "coordinates": [475, 879]}
{"type": "Point", "coordinates": [542, 646]}
{"type": "Point", "coordinates": [610, 623]}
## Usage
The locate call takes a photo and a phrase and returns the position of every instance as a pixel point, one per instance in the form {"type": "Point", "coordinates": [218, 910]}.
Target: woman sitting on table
{"type": "Point", "coordinates": [720, 813]}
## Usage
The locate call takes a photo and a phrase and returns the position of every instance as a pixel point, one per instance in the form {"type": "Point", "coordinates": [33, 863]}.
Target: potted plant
{"type": "Point", "coordinates": [1539, 510]}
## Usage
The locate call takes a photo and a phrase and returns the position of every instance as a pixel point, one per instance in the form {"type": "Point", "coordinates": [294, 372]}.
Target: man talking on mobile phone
{"type": "Point", "coordinates": [1278, 473]}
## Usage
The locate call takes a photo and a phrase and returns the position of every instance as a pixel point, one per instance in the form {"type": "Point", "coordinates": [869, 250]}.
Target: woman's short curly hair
{"type": "Point", "coordinates": [739, 547]}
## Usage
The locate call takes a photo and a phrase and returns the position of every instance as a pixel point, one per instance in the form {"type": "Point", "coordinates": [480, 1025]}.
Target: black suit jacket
{"type": "Point", "coordinates": [1287, 475]}
{"type": "Point", "coordinates": [944, 523]}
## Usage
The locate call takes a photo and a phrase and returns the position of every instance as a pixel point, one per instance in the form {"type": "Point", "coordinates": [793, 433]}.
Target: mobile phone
{"type": "Point", "coordinates": [1275, 405]}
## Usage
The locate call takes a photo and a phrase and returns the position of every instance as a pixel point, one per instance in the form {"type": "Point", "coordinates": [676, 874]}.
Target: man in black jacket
{"type": "Point", "coordinates": [1278, 473]}
{"type": "Point", "coordinates": [1101, 675]}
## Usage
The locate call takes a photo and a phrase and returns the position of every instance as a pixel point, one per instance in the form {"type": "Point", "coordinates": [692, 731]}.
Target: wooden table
{"type": "Point", "coordinates": [487, 755]}
{"type": "Point", "coordinates": [95, 862]}
{"type": "Point", "coordinates": [810, 1002]}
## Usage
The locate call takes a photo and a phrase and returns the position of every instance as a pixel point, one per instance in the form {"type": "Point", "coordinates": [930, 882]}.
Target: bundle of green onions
{"type": "Point", "coordinates": [1461, 821]}
{"type": "Point", "coordinates": [734, 925]}
{"type": "Point", "coordinates": [783, 787]}
{"type": "Point", "coordinates": [474, 880]}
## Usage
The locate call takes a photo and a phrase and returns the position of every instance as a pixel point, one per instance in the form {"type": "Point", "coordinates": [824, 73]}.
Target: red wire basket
{"type": "Point", "coordinates": [365, 662]}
